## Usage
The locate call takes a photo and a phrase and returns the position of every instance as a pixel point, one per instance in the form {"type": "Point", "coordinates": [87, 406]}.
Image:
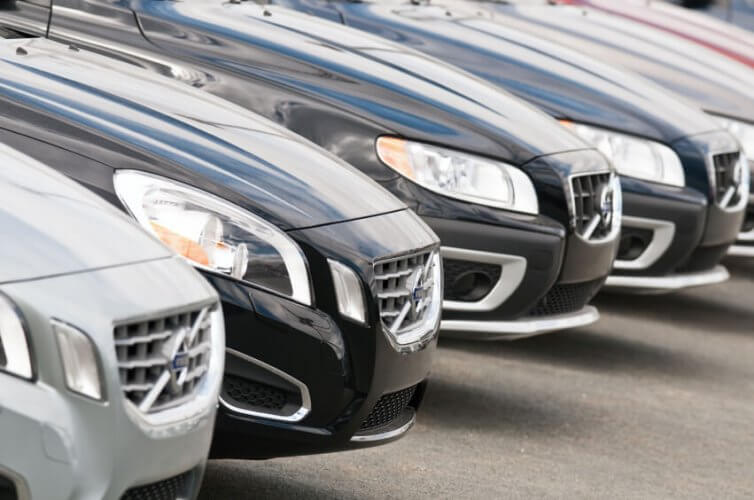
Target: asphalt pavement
{"type": "Point", "coordinates": [654, 401]}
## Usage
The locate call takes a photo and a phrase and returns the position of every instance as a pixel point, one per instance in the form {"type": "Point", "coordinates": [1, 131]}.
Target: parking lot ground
{"type": "Point", "coordinates": [654, 401]}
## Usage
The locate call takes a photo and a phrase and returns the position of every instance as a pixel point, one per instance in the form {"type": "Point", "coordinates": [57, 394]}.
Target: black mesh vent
{"type": "Point", "coordinates": [725, 167]}
{"type": "Point", "coordinates": [705, 258]}
{"type": "Point", "coordinates": [247, 393]}
{"type": "Point", "coordinates": [749, 220]}
{"type": "Point", "coordinates": [469, 281]}
{"type": "Point", "coordinates": [586, 199]}
{"type": "Point", "coordinates": [168, 489]}
{"type": "Point", "coordinates": [7, 489]}
{"type": "Point", "coordinates": [563, 299]}
{"type": "Point", "coordinates": [388, 408]}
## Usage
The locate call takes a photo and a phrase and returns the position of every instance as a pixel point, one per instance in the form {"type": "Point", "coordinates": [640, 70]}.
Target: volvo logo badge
{"type": "Point", "coordinates": [605, 205]}
{"type": "Point", "coordinates": [418, 291]}
{"type": "Point", "coordinates": [177, 362]}
{"type": "Point", "coordinates": [738, 174]}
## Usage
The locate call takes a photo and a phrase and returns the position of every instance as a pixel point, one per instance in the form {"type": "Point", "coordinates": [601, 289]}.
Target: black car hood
{"type": "Point", "coordinates": [404, 91]}
{"type": "Point", "coordinates": [210, 143]}
{"type": "Point", "coordinates": [566, 84]}
{"type": "Point", "coordinates": [716, 83]}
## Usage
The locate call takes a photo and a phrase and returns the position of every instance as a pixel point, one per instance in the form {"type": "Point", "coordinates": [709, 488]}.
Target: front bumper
{"type": "Point", "coordinates": [521, 328]}
{"type": "Point", "coordinates": [664, 284]}
{"type": "Point", "coordinates": [301, 380]}
{"type": "Point", "coordinates": [96, 450]}
{"type": "Point", "coordinates": [684, 239]}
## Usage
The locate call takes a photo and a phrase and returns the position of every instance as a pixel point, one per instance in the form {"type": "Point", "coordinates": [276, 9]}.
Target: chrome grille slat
{"type": "Point", "coordinates": [162, 361]}
{"type": "Point", "coordinates": [727, 178]}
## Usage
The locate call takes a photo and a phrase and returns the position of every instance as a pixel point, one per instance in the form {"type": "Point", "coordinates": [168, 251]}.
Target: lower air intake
{"type": "Point", "coordinates": [564, 299]}
{"type": "Point", "coordinates": [388, 408]}
{"type": "Point", "coordinates": [173, 488]}
{"type": "Point", "coordinates": [249, 394]}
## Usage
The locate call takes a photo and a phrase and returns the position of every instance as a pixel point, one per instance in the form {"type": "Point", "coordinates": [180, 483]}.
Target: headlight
{"type": "Point", "coordinates": [80, 362]}
{"type": "Point", "coordinates": [459, 175]}
{"type": "Point", "coordinates": [15, 355]}
{"type": "Point", "coordinates": [633, 156]}
{"type": "Point", "coordinates": [742, 131]}
{"type": "Point", "coordinates": [216, 235]}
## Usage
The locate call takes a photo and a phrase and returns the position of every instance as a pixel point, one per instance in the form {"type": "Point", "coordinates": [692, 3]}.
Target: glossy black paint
{"type": "Point", "coordinates": [716, 84]}
{"type": "Point", "coordinates": [61, 106]}
{"type": "Point", "coordinates": [336, 86]}
{"type": "Point", "coordinates": [562, 82]}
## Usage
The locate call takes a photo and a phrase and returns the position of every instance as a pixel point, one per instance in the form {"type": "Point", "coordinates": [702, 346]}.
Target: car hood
{"type": "Point", "coordinates": [404, 91]}
{"type": "Point", "coordinates": [51, 226]}
{"type": "Point", "coordinates": [698, 27]}
{"type": "Point", "coordinates": [206, 141]}
{"type": "Point", "coordinates": [563, 82]}
{"type": "Point", "coordinates": [717, 84]}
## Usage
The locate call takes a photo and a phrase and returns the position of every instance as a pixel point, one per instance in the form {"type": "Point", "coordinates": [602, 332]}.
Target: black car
{"type": "Point", "coordinates": [739, 12]}
{"type": "Point", "coordinates": [683, 195]}
{"type": "Point", "coordinates": [722, 87]}
{"type": "Point", "coordinates": [331, 287]}
{"type": "Point", "coordinates": [495, 178]}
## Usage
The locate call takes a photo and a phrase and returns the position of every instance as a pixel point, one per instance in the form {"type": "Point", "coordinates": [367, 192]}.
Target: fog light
{"type": "Point", "coordinates": [79, 356]}
{"type": "Point", "coordinates": [633, 243]}
{"type": "Point", "coordinates": [348, 292]}
{"type": "Point", "coordinates": [471, 286]}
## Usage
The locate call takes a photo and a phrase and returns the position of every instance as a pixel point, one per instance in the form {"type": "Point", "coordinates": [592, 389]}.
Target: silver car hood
{"type": "Point", "coordinates": [50, 225]}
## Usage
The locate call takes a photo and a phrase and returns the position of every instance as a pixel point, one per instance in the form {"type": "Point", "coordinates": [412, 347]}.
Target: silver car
{"type": "Point", "coordinates": [111, 349]}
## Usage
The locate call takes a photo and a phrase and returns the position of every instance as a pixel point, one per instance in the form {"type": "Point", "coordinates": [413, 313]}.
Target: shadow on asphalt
{"type": "Point", "coordinates": [698, 310]}
{"type": "Point", "coordinates": [229, 479]}
{"type": "Point", "coordinates": [500, 409]}
{"type": "Point", "coordinates": [741, 268]}
{"type": "Point", "coordinates": [585, 350]}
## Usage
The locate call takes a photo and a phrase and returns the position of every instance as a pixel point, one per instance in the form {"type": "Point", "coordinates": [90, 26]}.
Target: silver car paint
{"type": "Point", "coordinates": [57, 444]}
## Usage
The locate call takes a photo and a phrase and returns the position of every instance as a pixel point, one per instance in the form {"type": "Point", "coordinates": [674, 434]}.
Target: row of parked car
{"type": "Point", "coordinates": [346, 179]}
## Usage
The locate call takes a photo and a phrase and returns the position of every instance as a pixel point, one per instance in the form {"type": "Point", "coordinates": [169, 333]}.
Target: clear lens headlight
{"type": "Point", "coordinates": [459, 175]}
{"type": "Point", "coordinates": [742, 131]}
{"type": "Point", "coordinates": [80, 362]}
{"type": "Point", "coordinates": [633, 156]}
{"type": "Point", "coordinates": [348, 291]}
{"type": "Point", "coordinates": [216, 235]}
{"type": "Point", "coordinates": [15, 355]}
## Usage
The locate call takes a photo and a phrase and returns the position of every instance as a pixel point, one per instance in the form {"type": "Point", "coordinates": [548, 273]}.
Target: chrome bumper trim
{"type": "Point", "coordinates": [402, 425]}
{"type": "Point", "coordinates": [520, 328]}
{"type": "Point", "coordinates": [661, 284]}
{"type": "Point", "coordinates": [663, 233]}
{"type": "Point", "coordinates": [512, 274]}
{"type": "Point", "coordinates": [297, 416]}
{"type": "Point", "coordinates": [741, 251]}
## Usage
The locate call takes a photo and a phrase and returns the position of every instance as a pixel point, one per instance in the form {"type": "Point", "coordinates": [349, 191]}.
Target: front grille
{"type": "Point", "coordinates": [705, 258]}
{"type": "Point", "coordinates": [593, 205]}
{"type": "Point", "coordinates": [388, 408]}
{"type": "Point", "coordinates": [7, 489]}
{"type": "Point", "coordinates": [727, 178]}
{"type": "Point", "coordinates": [468, 281]}
{"type": "Point", "coordinates": [247, 393]}
{"type": "Point", "coordinates": [563, 299]}
{"type": "Point", "coordinates": [167, 489]}
{"type": "Point", "coordinates": [162, 361]}
{"type": "Point", "coordinates": [405, 290]}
